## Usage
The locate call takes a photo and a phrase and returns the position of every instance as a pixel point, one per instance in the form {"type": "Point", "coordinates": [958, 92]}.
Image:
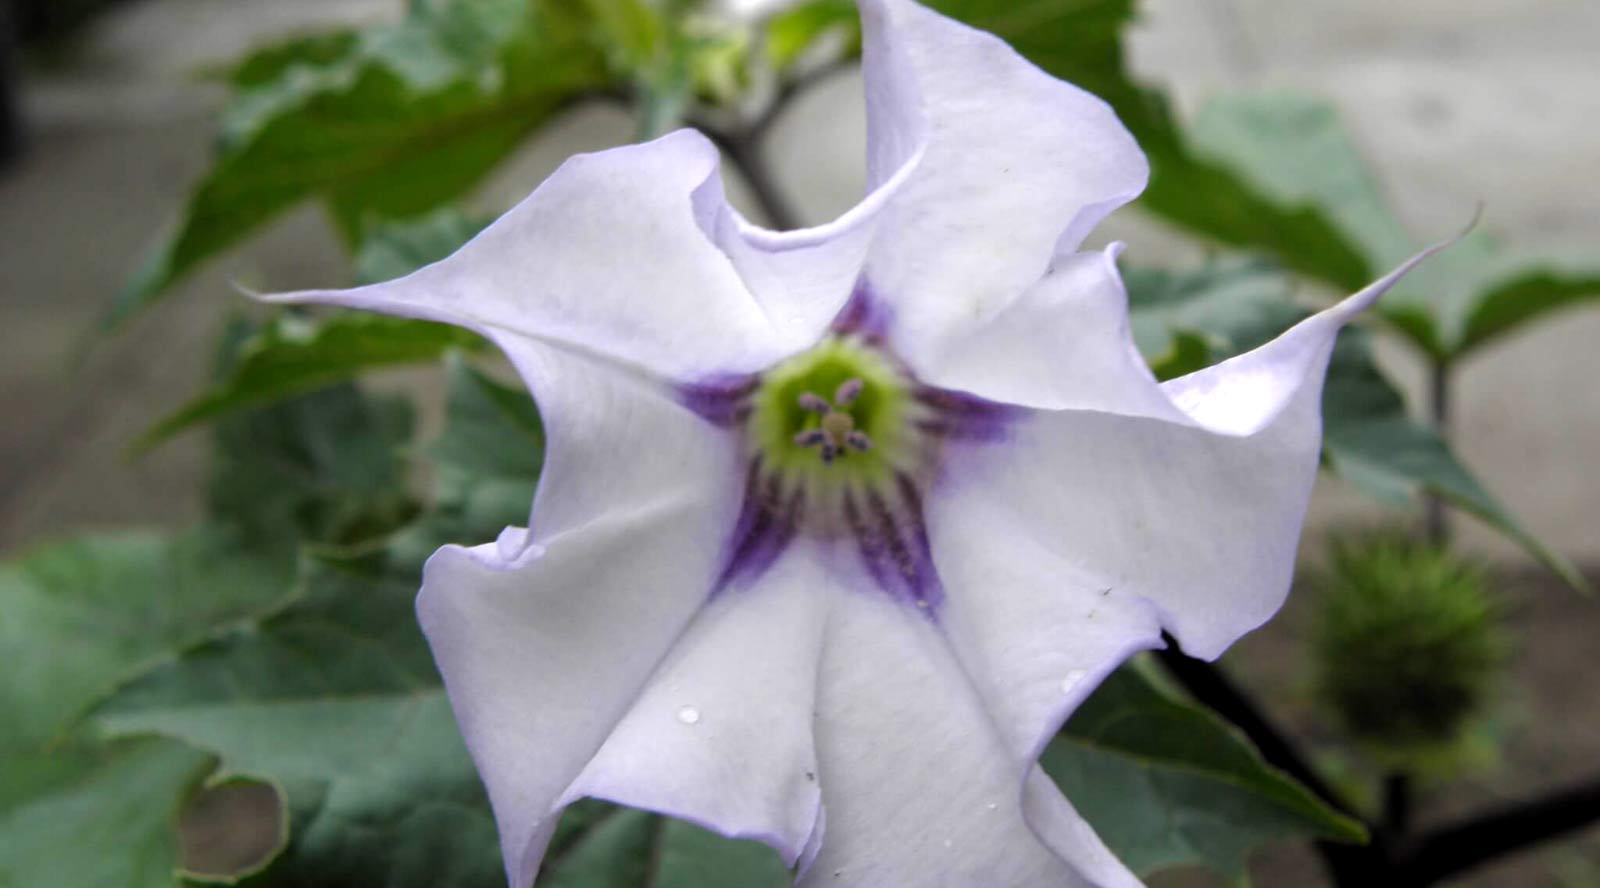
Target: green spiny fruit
{"type": "Point", "coordinates": [1409, 645]}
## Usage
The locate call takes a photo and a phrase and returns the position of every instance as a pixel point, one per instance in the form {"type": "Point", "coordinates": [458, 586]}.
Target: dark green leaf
{"type": "Point", "coordinates": [80, 618]}
{"type": "Point", "coordinates": [408, 120]}
{"type": "Point", "coordinates": [325, 467]}
{"type": "Point", "coordinates": [624, 848]}
{"type": "Point", "coordinates": [293, 355]}
{"type": "Point", "coordinates": [1369, 439]}
{"type": "Point", "coordinates": [394, 249]}
{"type": "Point", "coordinates": [335, 698]}
{"type": "Point", "coordinates": [1525, 296]}
{"type": "Point", "coordinates": [91, 815]}
{"type": "Point", "coordinates": [270, 63]}
{"type": "Point", "coordinates": [1165, 783]}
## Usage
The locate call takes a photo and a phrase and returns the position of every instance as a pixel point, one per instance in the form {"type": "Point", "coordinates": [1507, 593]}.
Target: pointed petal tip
{"type": "Point", "coordinates": [1369, 295]}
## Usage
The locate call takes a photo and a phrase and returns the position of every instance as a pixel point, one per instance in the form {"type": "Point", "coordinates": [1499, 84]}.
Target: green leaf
{"type": "Point", "coordinates": [93, 815]}
{"type": "Point", "coordinates": [325, 467]}
{"type": "Point", "coordinates": [1165, 783]}
{"type": "Point", "coordinates": [394, 249]}
{"type": "Point", "coordinates": [1369, 438]}
{"type": "Point", "coordinates": [409, 119]}
{"type": "Point", "coordinates": [1525, 296]}
{"type": "Point", "coordinates": [625, 848]}
{"type": "Point", "coordinates": [1080, 41]}
{"type": "Point", "coordinates": [80, 618]}
{"type": "Point", "coordinates": [1296, 149]}
{"type": "Point", "coordinates": [336, 700]}
{"type": "Point", "coordinates": [293, 355]}
{"type": "Point", "coordinates": [789, 35]}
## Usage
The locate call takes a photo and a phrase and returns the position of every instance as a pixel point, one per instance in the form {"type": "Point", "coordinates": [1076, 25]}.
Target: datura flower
{"type": "Point", "coordinates": [837, 525]}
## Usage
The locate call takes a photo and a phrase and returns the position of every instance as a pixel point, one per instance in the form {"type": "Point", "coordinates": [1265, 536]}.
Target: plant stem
{"type": "Point", "coordinates": [1397, 807]}
{"type": "Point", "coordinates": [1448, 850]}
{"type": "Point", "coordinates": [745, 156]}
{"type": "Point", "coordinates": [1436, 517]}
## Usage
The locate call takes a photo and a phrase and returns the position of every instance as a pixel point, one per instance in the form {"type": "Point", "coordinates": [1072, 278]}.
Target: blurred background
{"type": "Point", "coordinates": [1455, 103]}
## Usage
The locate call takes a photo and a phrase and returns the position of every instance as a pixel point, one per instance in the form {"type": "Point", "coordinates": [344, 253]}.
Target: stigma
{"type": "Point", "coordinates": [836, 433]}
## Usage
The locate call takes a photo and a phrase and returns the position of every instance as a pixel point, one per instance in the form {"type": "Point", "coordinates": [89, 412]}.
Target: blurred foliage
{"type": "Point", "coordinates": [1408, 645]}
{"type": "Point", "coordinates": [1296, 149]}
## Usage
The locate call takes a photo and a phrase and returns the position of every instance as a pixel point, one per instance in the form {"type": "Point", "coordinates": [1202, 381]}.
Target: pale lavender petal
{"type": "Point", "coordinates": [722, 734]}
{"type": "Point", "coordinates": [918, 786]}
{"type": "Point", "coordinates": [1012, 166]}
{"type": "Point", "coordinates": [618, 254]}
{"type": "Point", "coordinates": [545, 637]}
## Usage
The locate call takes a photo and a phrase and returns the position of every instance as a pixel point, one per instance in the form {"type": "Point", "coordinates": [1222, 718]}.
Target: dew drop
{"type": "Point", "coordinates": [948, 843]}
{"type": "Point", "coordinates": [688, 715]}
{"type": "Point", "coordinates": [1071, 680]}
{"type": "Point", "coordinates": [993, 806]}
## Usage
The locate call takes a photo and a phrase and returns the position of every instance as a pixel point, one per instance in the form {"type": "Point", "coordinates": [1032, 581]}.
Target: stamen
{"type": "Point", "coordinates": [859, 440]}
{"type": "Point", "coordinates": [847, 392]}
{"type": "Point", "coordinates": [810, 438]}
{"type": "Point", "coordinates": [813, 402]}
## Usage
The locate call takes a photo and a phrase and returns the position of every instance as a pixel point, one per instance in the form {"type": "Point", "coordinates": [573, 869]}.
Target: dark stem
{"type": "Point", "coordinates": [1443, 852]}
{"type": "Point", "coordinates": [10, 85]}
{"type": "Point", "coordinates": [1207, 683]}
{"type": "Point", "coordinates": [1349, 864]}
{"type": "Point", "coordinates": [745, 156]}
{"type": "Point", "coordinates": [1397, 807]}
{"type": "Point", "coordinates": [1436, 518]}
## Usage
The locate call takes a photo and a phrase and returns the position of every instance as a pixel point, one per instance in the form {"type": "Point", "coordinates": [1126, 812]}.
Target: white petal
{"type": "Point", "coordinates": [546, 637]}
{"type": "Point", "coordinates": [1190, 511]}
{"type": "Point", "coordinates": [722, 735]}
{"type": "Point", "coordinates": [1035, 631]}
{"type": "Point", "coordinates": [918, 786]}
{"type": "Point", "coordinates": [611, 255]}
{"type": "Point", "coordinates": [1065, 343]}
{"type": "Point", "coordinates": [1015, 166]}
{"type": "Point", "coordinates": [801, 278]}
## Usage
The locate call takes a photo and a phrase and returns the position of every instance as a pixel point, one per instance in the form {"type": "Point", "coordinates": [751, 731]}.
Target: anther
{"type": "Point", "coordinates": [847, 392]}
{"type": "Point", "coordinates": [859, 440]}
{"type": "Point", "coordinates": [810, 438]}
{"type": "Point", "coordinates": [814, 403]}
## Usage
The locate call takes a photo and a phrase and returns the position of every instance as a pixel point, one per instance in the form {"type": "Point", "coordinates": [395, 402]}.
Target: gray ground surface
{"type": "Point", "coordinates": [1457, 101]}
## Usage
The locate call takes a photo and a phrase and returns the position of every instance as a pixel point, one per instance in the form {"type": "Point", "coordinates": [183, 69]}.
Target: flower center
{"type": "Point", "coordinates": [841, 440]}
{"type": "Point", "coordinates": [834, 415]}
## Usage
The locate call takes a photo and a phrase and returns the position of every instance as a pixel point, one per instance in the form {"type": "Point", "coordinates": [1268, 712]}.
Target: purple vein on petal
{"type": "Point", "coordinates": [863, 315]}
{"type": "Point", "coordinates": [962, 417]}
{"type": "Point", "coordinates": [722, 402]}
{"type": "Point", "coordinates": [767, 523]}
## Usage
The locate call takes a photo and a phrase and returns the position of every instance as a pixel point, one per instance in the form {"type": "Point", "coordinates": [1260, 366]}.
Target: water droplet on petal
{"type": "Point", "coordinates": [993, 806]}
{"type": "Point", "coordinates": [688, 715]}
{"type": "Point", "coordinates": [1070, 680]}
{"type": "Point", "coordinates": [948, 843]}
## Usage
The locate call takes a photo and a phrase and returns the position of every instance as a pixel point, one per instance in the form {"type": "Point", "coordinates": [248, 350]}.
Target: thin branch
{"type": "Point", "coordinates": [1443, 852]}
{"type": "Point", "coordinates": [745, 156]}
{"type": "Point", "coordinates": [1208, 684]}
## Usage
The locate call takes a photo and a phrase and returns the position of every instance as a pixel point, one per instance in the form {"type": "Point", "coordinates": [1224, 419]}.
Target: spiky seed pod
{"type": "Point", "coordinates": [1409, 645]}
